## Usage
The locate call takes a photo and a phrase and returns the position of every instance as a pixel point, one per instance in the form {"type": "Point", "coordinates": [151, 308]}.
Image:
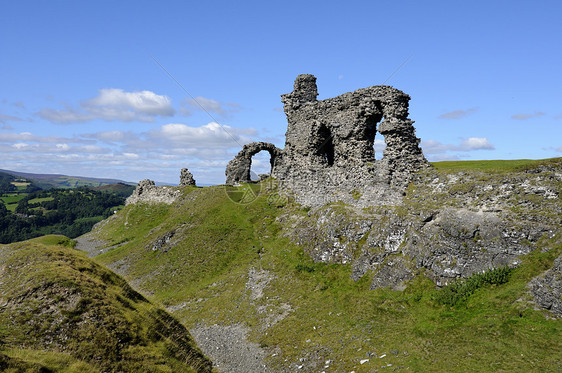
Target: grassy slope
{"type": "Point", "coordinates": [494, 165]}
{"type": "Point", "coordinates": [330, 317]}
{"type": "Point", "coordinates": [46, 181]}
{"type": "Point", "coordinates": [61, 311]}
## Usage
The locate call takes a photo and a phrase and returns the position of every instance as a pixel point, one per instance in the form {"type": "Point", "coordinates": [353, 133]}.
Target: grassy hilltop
{"type": "Point", "coordinates": [220, 257]}
{"type": "Point", "coordinates": [61, 312]}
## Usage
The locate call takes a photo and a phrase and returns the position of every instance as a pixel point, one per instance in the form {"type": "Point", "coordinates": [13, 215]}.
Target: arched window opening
{"type": "Point", "coordinates": [261, 164]}
{"type": "Point", "coordinates": [379, 146]}
{"type": "Point", "coordinates": [326, 148]}
{"type": "Point", "coordinates": [373, 144]}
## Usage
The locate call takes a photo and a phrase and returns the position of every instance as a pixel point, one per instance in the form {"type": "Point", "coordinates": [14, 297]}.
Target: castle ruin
{"type": "Point", "coordinates": [329, 154]}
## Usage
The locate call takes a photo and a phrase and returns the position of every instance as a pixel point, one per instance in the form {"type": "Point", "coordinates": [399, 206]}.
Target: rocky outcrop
{"type": "Point", "coordinates": [329, 147]}
{"type": "Point", "coordinates": [448, 226]}
{"type": "Point", "coordinates": [147, 191]}
{"type": "Point", "coordinates": [238, 169]}
{"type": "Point", "coordinates": [547, 288]}
{"type": "Point", "coordinates": [186, 178]}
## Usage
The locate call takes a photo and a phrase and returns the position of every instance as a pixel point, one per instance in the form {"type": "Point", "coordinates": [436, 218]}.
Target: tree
{"type": "Point", "coordinates": [3, 209]}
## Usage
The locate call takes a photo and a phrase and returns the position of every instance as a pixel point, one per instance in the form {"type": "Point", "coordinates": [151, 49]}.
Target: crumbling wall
{"type": "Point", "coordinates": [186, 178]}
{"type": "Point", "coordinates": [329, 154]}
{"type": "Point", "coordinates": [238, 169]}
{"type": "Point", "coordinates": [147, 191]}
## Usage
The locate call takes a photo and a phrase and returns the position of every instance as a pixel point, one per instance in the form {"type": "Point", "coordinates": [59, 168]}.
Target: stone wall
{"type": "Point", "coordinates": [329, 154]}
{"type": "Point", "coordinates": [186, 178]}
{"type": "Point", "coordinates": [147, 191]}
{"type": "Point", "coordinates": [238, 169]}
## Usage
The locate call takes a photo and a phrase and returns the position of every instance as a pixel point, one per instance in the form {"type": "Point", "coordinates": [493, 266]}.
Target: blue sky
{"type": "Point", "coordinates": [83, 91]}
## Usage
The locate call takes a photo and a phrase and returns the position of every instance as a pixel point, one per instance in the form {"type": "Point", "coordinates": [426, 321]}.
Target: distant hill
{"type": "Point", "coordinates": [120, 189]}
{"type": "Point", "coordinates": [46, 181]}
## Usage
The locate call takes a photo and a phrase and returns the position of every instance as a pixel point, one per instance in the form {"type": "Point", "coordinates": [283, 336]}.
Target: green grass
{"type": "Point", "coordinates": [54, 361]}
{"type": "Point", "coordinates": [39, 200]}
{"type": "Point", "coordinates": [13, 198]}
{"type": "Point", "coordinates": [460, 291]}
{"type": "Point", "coordinates": [53, 295]}
{"type": "Point", "coordinates": [329, 315]}
{"type": "Point", "coordinates": [12, 207]}
{"type": "Point", "coordinates": [94, 219]}
{"type": "Point", "coordinates": [73, 182]}
{"type": "Point", "coordinates": [494, 165]}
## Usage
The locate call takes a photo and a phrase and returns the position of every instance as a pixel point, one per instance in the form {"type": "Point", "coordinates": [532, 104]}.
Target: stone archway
{"type": "Point", "coordinates": [238, 169]}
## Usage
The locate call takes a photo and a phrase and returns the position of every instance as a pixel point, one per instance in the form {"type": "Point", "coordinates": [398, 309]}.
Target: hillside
{"type": "Point", "coordinates": [120, 189]}
{"type": "Point", "coordinates": [446, 280]}
{"type": "Point", "coordinates": [70, 212]}
{"type": "Point", "coordinates": [61, 312]}
{"type": "Point", "coordinates": [46, 181]}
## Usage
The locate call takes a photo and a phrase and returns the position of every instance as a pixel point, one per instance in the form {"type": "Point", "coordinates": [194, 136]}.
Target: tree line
{"type": "Point", "coordinates": [71, 212]}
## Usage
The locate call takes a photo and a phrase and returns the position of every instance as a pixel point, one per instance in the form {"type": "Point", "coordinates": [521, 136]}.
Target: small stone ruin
{"type": "Point", "coordinates": [238, 169]}
{"type": "Point", "coordinates": [186, 178]}
{"type": "Point", "coordinates": [329, 147]}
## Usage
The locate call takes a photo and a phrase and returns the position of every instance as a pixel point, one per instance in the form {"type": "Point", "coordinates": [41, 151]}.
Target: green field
{"type": "Point", "coordinates": [11, 200]}
{"type": "Point", "coordinates": [493, 165]}
{"type": "Point", "coordinates": [93, 219]}
{"type": "Point", "coordinates": [39, 200]}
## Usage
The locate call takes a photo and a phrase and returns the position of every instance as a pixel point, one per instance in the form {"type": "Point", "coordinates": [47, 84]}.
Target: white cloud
{"type": "Point", "coordinates": [432, 147]}
{"type": "Point", "coordinates": [525, 116]}
{"type": "Point", "coordinates": [444, 157]}
{"type": "Point", "coordinates": [68, 115]}
{"type": "Point", "coordinates": [436, 147]}
{"type": "Point", "coordinates": [458, 114]}
{"type": "Point", "coordinates": [89, 149]}
{"type": "Point", "coordinates": [379, 145]}
{"type": "Point", "coordinates": [477, 143]}
{"type": "Point", "coordinates": [7, 118]}
{"type": "Point", "coordinates": [208, 105]}
{"type": "Point", "coordinates": [114, 104]}
{"type": "Point", "coordinates": [145, 102]}
{"type": "Point", "coordinates": [110, 136]}
{"type": "Point", "coordinates": [29, 137]}
{"type": "Point", "coordinates": [125, 155]}
{"type": "Point", "coordinates": [559, 149]}
{"type": "Point", "coordinates": [209, 135]}
{"type": "Point", "coordinates": [131, 155]}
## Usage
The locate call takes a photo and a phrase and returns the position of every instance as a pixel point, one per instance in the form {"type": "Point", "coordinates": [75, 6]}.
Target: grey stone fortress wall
{"type": "Point", "coordinates": [329, 155]}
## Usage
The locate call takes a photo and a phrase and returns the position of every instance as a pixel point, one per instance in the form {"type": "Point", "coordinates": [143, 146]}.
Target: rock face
{"type": "Point", "coordinates": [329, 154]}
{"type": "Point", "coordinates": [186, 178]}
{"type": "Point", "coordinates": [147, 191]}
{"type": "Point", "coordinates": [547, 288]}
{"type": "Point", "coordinates": [448, 226]}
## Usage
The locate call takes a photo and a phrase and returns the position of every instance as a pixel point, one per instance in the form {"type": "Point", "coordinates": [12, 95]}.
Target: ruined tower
{"type": "Point", "coordinates": [329, 145]}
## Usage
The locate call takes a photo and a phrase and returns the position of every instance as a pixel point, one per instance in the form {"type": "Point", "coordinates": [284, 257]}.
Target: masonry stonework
{"type": "Point", "coordinates": [329, 153]}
